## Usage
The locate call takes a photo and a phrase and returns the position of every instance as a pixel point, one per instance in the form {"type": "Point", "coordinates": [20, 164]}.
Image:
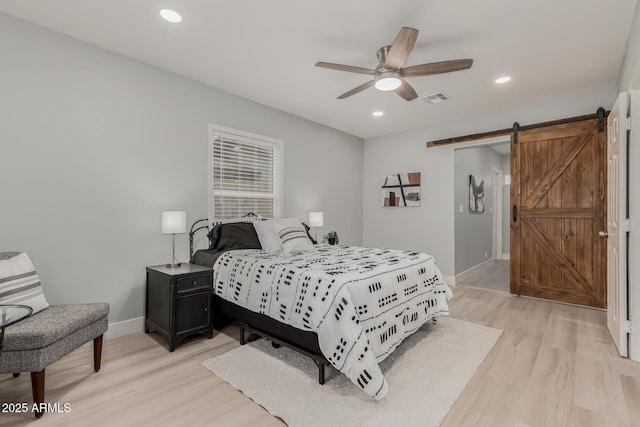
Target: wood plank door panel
{"type": "Point", "coordinates": [558, 195]}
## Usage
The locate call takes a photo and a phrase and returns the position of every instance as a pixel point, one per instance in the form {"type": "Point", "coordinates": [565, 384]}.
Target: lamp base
{"type": "Point", "coordinates": [173, 265]}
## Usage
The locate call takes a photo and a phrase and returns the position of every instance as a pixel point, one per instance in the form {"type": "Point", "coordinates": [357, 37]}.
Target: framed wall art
{"type": "Point", "coordinates": [401, 189]}
{"type": "Point", "coordinates": [476, 195]}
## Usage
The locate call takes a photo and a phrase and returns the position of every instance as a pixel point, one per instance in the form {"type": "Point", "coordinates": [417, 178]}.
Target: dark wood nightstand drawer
{"type": "Point", "coordinates": [193, 283]}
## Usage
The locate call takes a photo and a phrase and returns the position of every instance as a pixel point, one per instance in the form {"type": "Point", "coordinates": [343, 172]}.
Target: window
{"type": "Point", "coordinates": [245, 174]}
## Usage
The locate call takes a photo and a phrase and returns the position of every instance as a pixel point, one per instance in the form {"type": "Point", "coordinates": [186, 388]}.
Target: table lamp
{"type": "Point", "coordinates": [174, 222]}
{"type": "Point", "coordinates": [316, 219]}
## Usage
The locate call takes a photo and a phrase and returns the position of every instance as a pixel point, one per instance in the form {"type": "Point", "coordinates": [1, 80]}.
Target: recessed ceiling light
{"type": "Point", "coordinates": [502, 80]}
{"type": "Point", "coordinates": [377, 114]}
{"type": "Point", "coordinates": [170, 15]}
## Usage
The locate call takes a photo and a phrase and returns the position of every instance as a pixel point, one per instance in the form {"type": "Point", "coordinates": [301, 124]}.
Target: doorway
{"type": "Point", "coordinates": [481, 223]}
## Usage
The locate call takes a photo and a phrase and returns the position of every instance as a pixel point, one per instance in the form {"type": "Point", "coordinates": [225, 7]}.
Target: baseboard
{"type": "Point", "coordinates": [449, 280]}
{"type": "Point", "coordinates": [469, 272]}
{"type": "Point", "coordinates": [126, 327]}
{"type": "Point", "coordinates": [506, 257]}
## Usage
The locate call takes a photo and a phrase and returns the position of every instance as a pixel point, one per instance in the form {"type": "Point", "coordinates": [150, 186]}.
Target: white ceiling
{"type": "Point", "coordinates": [266, 50]}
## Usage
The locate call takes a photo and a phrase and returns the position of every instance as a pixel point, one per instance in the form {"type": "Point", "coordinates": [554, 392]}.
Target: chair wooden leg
{"type": "Point", "coordinates": [97, 353]}
{"type": "Point", "coordinates": [37, 387]}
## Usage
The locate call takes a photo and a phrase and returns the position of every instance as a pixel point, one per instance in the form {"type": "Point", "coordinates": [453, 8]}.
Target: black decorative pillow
{"type": "Point", "coordinates": [236, 235]}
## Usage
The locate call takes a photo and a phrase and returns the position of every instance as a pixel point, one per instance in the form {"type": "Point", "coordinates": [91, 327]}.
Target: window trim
{"type": "Point", "coordinates": [216, 131]}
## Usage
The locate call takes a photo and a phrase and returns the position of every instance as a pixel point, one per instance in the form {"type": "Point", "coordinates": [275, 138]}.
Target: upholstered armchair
{"type": "Point", "coordinates": [52, 332]}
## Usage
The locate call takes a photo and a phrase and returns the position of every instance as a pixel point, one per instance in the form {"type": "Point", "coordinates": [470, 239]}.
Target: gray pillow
{"type": "Point", "coordinates": [19, 282]}
{"type": "Point", "coordinates": [291, 233]}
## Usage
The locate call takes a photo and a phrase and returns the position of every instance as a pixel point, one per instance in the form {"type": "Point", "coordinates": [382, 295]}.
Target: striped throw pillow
{"type": "Point", "coordinates": [292, 235]}
{"type": "Point", "coordinates": [19, 283]}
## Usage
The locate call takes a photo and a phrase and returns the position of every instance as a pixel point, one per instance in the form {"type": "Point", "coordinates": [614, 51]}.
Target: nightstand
{"type": "Point", "coordinates": [178, 302]}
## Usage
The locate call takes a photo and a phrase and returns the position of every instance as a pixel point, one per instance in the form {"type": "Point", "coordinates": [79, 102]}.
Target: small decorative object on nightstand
{"type": "Point", "coordinates": [178, 301]}
{"type": "Point", "coordinates": [331, 238]}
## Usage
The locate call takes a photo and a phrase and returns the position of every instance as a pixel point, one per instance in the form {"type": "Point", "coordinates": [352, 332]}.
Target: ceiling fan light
{"type": "Point", "coordinates": [387, 81]}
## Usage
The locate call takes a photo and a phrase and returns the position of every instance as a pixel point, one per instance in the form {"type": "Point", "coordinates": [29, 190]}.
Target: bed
{"type": "Point", "coordinates": [346, 306]}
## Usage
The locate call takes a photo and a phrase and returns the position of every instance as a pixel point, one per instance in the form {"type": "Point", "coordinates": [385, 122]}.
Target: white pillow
{"type": "Point", "coordinates": [268, 238]}
{"type": "Point", "coordinates": [292, 235]}
{"type": "Point", "coordinates": [19, 283]}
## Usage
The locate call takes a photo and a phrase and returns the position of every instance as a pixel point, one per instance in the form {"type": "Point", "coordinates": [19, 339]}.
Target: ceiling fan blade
{"type": "Point", "coordinates": [406, 91]}
{"type": "Point", "coordinates": [401, 48]}
{"type": "Point", "coordinates": [347, 68]}
{"type": "Point", "coordinates": [437, 68]}
{"type": "Point", "coordinates": [357, 89]}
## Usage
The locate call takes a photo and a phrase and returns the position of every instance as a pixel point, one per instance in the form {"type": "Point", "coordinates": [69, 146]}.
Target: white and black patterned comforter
{"type": "Point", "coordinates": [362, 302]}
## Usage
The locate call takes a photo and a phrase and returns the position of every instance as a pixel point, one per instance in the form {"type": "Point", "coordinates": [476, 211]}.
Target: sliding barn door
{"type": "Point", "coordinates": [558, 197]}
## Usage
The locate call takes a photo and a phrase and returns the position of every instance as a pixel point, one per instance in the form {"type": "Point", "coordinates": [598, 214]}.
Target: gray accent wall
{"type": "Point", "coordinates": [95, 145]}
{"type": "Point", "coordinates": [473, 230]}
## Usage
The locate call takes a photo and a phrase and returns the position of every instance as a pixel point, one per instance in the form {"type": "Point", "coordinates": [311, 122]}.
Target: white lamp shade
{"type": "Point", "coordinates": [316, 219]}
{"type": "Point", "coordinates": [174, 222]}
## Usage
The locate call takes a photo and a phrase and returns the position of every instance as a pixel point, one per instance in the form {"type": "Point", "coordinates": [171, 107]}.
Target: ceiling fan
{"type": "Point", "coordinates": [389, 75]}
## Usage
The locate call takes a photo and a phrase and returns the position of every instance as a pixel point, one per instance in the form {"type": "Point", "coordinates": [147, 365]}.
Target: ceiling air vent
{"type": "Point", "coordinates": [436, 98]}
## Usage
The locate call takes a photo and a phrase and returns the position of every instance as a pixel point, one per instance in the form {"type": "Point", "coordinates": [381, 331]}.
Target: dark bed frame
{"type": "Point", "coordinates": [304, 342]}
{"type": "Point", "coordinates": [280, 334]}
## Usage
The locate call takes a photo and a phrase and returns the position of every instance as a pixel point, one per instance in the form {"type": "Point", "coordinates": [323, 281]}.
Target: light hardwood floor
{"type": "Point", "coordinates": [554, 365]}
{"type": "Point", "coordinates": [493, 275]}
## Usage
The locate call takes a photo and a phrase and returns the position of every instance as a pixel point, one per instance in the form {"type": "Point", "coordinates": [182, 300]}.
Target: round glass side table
{"type": "Point", "coordinates": [10, 314]}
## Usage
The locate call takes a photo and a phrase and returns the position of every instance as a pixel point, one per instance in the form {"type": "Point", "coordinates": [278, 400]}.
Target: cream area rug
{"type": "Point", "coordinates": [426, 375]}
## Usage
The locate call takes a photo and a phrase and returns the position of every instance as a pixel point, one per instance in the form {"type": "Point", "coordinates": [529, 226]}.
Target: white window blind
{"type": "Point", "coordinates": [245, 174]}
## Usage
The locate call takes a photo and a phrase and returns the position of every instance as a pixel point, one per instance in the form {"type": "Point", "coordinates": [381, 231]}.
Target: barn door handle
{"type": "Point", "coordinates": [514, 212]}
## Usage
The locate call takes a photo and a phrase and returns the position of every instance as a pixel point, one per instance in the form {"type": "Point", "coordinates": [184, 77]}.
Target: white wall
{"type": "Point", "coordinates": [631, 64]}
{"type": "Point", "coordinates": [430, 227]}
{"type": "Point", "coordinates": [94, 145]}
{"type": "Point", "coordinates": [473, 230]}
